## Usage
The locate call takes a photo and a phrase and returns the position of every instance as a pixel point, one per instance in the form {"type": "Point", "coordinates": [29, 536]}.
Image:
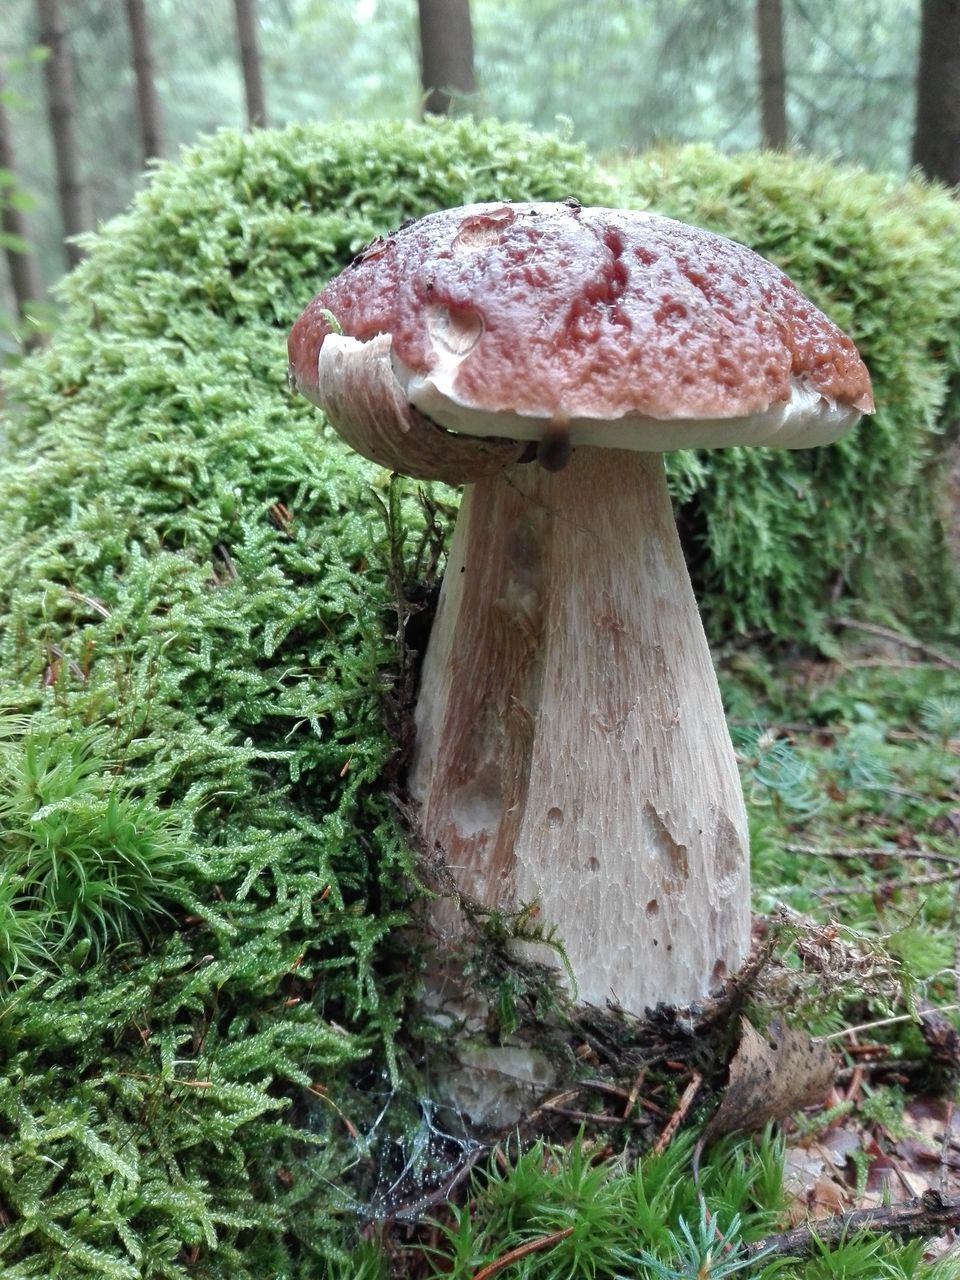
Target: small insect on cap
{"type": "Point", "coordinates": [568, 326]}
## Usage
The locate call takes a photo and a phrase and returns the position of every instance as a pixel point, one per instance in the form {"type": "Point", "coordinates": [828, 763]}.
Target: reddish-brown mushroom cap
{"type": "Point", "coordinates": [560, 313]}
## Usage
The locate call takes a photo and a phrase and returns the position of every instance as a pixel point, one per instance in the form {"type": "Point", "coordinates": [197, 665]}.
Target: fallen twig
{"type": "Point", "coordinates": [637, 1086]}
{"type": "Point", "coordinates": [945, 1145]}
{"type": "Point", "coordinates": [928, 1215]}
{"type": "Point", "coordinates": [881, 1022]}
{"type": "Point", "coordinates": [923, 855]}
{"type": "Point", "coordinates": [840, 730]}
{"type": "Point", "coordinates": [884, 886]}
{"type": "Point", "coordinates": [895, 664]}
{"type": "Point", "coordinates": [555, 1105]}
{"type": "Point", "coordinates": [320, 1091]}
{"type": "Point", "coordinates": [594, 1117]}
{"type": "Point", "coordinates": [91, 602]}
{"type": "Point", "coordinates": [929, 739]}
{"type": "Point", "coordinates": [603, 1086]}
{"type": "Point", "coordinates": [521, 1251]}
{"type": "Point", "coordinates": [897, 637]}
{"type": "Point", "coordinates": [683, 1106]}
{"type": "Point", "coordinates": [549, 1104]}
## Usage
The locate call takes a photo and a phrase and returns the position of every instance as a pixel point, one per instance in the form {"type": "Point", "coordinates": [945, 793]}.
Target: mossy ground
{"type": "Point", "coordinates": [856, 754]}
{"type": "Point", "coordinates": [205, 882]}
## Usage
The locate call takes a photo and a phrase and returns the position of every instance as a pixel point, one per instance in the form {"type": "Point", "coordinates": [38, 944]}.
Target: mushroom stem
{"type": "Point", "coordinates": [571, 745]}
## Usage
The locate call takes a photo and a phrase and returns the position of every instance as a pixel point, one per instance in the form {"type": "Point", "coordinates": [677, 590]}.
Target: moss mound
{"type": "Point", "coordinates": [194, 585]}
{"type": "Point", "coordinates": [203, 877]}
{"type": "Point", "coordinates": [776, 535]}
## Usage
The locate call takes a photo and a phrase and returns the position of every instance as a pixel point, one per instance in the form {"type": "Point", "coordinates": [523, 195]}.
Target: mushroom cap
{"type": "Point", "coordinates": [624, 329]}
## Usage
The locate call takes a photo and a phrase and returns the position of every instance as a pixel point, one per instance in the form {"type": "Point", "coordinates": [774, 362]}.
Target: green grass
{"type": "Point", "coordinates": [617, 1211]}
{"type": "Point", "coordinates": [87, 863]}
{"type": "Point", "coordinates": [866, 758]}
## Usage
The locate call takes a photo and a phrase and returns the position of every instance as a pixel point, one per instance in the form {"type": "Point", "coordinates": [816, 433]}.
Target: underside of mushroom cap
{"type": "Point", "coordinates": [506, 320]}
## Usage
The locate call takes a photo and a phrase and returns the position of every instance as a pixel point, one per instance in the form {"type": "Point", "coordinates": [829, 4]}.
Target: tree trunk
{"type": "Point", "coordinates": [936, 139]}
{"type": "Point", "coordinates": [21, 262]}
{"type": "Point", "coordinates": [773, 105]}
{"type": "Point", "coordinates": [148, 104]}
{"type": "Point", "coordinates": [61, 113]}
{"type": "Point", "coordinates": [249, 43]}
{"type": "Point", "coordinates": [446, 47]}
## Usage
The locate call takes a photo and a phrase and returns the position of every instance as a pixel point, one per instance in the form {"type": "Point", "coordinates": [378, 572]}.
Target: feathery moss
{"type": "Point", "coordinates": [776, 535]}
{"type": "Point", "coordinates": [195, 595]}
{"type": "Point", "coordinates": [196, 605]}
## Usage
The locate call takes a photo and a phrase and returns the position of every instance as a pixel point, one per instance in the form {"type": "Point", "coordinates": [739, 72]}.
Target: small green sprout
{"type": "Point", "coordinates": [706, 1253]}
{"type": "Point", "coordinates": [332, 321]}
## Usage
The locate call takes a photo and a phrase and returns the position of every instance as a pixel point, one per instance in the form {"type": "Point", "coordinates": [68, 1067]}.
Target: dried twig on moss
{"type": "Point", "coordinates": [522, 1251]}
{"type": "Point", "coordinates": [887, 886]}
{"type": "Point", "coordinates": [928, 1215]}
{"type": "Point", "coordinates": [898, 637]}
{"type": "Point", "coordinates": [679, 1115]}
{"type": "Point", "coordinates": [924, 855]}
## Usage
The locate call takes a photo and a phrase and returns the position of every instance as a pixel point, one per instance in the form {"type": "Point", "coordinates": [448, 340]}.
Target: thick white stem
{"type": "Point", "coordinates": [571, 745]}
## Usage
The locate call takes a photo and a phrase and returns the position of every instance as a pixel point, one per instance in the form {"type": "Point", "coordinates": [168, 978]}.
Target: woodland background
{"type": "Point", "coordinates": [91, 89]}
{"type": "Point", "coordinates": [211, 1059]}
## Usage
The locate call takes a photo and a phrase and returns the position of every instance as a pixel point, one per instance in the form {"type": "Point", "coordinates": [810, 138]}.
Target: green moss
{"type": "Point", "coordinates": [196, 601]}
{"type": "Point", "coordinates": [195, 576]}
{"type": "Point", "coordinates": [776, 534]}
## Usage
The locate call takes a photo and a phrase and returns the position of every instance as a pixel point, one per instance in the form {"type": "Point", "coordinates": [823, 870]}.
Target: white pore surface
{"type": "Point", "coordinates": [804, 421]}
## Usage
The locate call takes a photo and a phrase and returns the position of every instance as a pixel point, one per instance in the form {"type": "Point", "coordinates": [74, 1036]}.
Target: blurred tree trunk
{"type": "Point", "coordinates": [936, 139]}
{"type": "Point", "coordinates": [446, 49]}
{"type": "Point", "coordinates": [25, 283]}
{"type": "Point", "coordinates": [246, 11]}
{"type": "Point", "coordinates": [58, 80]}
{"type": "Point", "coordinates": [773, 80]}
{"type": "Point", "coordinates": [148, 104]}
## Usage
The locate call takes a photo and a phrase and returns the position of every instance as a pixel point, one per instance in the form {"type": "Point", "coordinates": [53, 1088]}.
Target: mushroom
{"type": "Point", "coordinates": [571, 748]}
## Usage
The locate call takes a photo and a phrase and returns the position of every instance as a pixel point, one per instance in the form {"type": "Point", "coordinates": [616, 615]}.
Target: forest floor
{"type": "Point", "coordinates": [851, 769]}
